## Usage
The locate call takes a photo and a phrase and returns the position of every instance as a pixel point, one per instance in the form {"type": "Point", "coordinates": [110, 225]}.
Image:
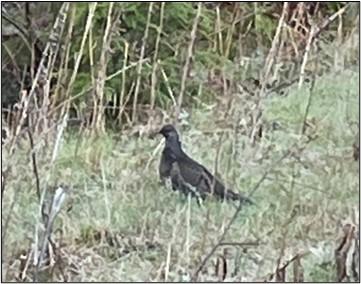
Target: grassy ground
{"type": "Point", "coordinates": [125, 226]}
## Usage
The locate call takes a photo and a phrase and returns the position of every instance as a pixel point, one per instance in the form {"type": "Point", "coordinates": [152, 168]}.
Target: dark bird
{"type": "Point", "coordinates": [187, 175]}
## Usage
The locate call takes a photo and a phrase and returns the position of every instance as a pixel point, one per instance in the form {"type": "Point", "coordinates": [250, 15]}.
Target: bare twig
{"type": "Point", "coordinates": [35, 167]}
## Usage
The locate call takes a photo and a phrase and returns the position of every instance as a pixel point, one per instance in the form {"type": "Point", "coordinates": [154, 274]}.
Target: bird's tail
{"type": "Point", "coordinates": [231, 195]}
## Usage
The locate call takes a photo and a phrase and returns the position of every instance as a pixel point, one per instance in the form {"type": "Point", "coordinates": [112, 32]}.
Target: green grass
{"type": "Point", "coordinates": [123, 222]}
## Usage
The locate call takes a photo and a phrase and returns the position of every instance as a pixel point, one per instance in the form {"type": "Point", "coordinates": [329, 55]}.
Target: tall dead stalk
{"type": "Point", "coordinates": [155, 57]}
{"type": "Point", "coordinates": [140, 63]}
{"type": "Point", "coordinates": [188, 58]}
{"type": "Point", "coordinates": [91, 12]}
{"type": "Point", "coordinates": [98, 102]}
{"type": "Point", "coordinates": [257, 116]}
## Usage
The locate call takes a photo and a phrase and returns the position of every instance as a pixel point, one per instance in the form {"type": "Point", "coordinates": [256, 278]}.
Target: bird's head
{"type": "Point", "coordinates": [168, 131]}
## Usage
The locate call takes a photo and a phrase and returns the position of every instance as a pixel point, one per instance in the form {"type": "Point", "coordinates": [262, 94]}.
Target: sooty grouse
{"type": "Point", "coordinates": [187, 175]}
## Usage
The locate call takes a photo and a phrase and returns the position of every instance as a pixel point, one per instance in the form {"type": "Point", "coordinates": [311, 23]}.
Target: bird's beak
{"type": "Point", "coordinates": [160, 132]}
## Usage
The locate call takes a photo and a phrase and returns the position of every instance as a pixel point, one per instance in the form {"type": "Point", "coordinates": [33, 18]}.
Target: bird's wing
{"type": "Point", "coordinates": [179, 183]}
{"type": "Point", "coordinates": [165, 166]}
{"type": "Point", "coordinates": [198, 176]}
